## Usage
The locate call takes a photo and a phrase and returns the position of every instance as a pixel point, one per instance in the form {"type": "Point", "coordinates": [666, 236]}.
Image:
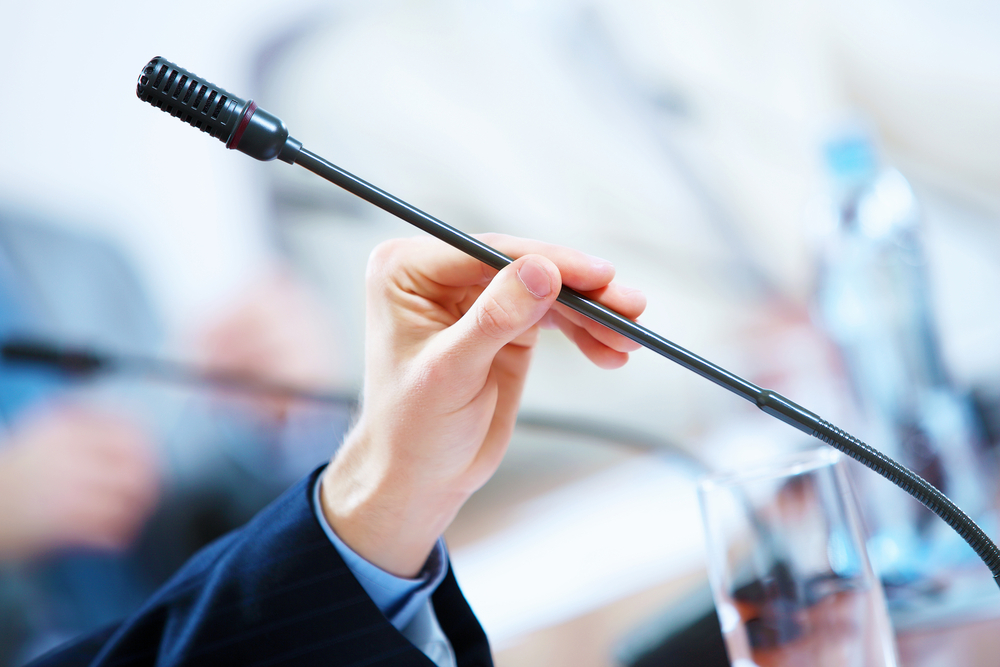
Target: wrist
{"type": "Point", "coordinates": [386, 514]}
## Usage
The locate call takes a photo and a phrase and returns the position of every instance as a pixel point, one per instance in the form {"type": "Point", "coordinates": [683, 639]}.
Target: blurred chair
{"type": "Point", "coordinates": [217, 456]}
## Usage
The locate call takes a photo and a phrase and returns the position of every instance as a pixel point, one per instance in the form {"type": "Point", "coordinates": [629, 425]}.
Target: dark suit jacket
{"type": "Point", "coordinates": [274, 592]}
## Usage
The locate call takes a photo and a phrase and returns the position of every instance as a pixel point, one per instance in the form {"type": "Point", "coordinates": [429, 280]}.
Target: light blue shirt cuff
{"type": "Point", "coordinates": [399, 599]}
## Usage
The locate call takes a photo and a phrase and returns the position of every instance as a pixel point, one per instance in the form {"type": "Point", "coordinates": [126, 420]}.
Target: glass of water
{"type": "Point", "coordinates": [789, 573]}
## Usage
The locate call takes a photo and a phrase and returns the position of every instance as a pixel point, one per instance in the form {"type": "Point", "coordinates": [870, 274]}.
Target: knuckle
{"type": "Point", "coordinates": [385, 254]}
{"type": "Point", "coordinates": [383, 261]}
{"type": "Point", "coordinates": [494, 320]}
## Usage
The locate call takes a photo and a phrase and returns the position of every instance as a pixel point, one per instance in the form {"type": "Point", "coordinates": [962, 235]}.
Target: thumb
{"type": "Point", "coordinates": [514, 301]}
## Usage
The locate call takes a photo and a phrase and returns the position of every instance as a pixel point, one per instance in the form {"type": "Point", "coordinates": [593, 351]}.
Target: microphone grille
{"type": "Point", "coordinates": [184, 95]}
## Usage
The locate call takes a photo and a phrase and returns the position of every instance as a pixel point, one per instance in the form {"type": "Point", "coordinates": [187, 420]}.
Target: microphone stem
{"type": "Point", "coordinates": [768, 401]}
{"type": "Point", "coordinates": [245, 127]}
{"type": "Point", "coordinates": [496, 259]}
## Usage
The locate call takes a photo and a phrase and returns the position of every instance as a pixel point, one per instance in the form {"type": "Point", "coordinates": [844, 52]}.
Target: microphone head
{"type": "Point", "coordinates": [240, 124]}
{"type": "Point", "coordinates": [195, 101]}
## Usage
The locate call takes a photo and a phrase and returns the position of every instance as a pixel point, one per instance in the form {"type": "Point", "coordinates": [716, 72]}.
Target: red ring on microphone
{"type": "Point", "coordinates": [234, 140]}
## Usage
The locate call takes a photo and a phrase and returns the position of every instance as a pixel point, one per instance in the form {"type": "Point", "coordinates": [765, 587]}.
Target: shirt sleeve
{"type": "Point", "coordinates": [405, 602]}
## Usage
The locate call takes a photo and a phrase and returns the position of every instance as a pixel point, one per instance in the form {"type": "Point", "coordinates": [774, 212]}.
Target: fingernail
{"type": "Point", "coordinates": [535, 278]}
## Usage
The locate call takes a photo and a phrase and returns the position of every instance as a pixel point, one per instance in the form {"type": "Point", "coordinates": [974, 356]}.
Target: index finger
{"type": "Point", "coordinates": [449, 266]}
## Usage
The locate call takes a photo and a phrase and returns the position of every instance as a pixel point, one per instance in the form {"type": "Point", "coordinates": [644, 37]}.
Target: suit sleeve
{"type": "Point", "coordinates": [274, 592]}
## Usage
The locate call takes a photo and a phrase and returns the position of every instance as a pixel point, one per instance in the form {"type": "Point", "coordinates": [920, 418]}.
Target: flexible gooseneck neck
{"type": "Point", "coordinates": [245, 127]}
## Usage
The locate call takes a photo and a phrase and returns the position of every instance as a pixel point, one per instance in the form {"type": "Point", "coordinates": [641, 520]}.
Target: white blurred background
{"type": "Point", "coordinates": [680, 139]}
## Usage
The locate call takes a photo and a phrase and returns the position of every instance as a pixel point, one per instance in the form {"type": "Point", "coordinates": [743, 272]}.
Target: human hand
{"type": "Point", "coordinates": [74, 478]}
{"type": "Point", "coordinates": [448, 343]}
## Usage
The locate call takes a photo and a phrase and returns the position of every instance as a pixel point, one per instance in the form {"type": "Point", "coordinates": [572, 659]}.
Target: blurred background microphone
{"type": "Point", "coordinates": [84, 363]}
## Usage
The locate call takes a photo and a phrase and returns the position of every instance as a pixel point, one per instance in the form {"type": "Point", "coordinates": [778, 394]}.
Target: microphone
{"type": "Point", "coordinates": [235, 122]}
{"type": "Point", "coordinates": [240, 124]}
{"type": "Point", "coordinates": [82, 363]}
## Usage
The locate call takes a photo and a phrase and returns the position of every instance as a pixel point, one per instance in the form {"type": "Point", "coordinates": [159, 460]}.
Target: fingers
{"type": "Point", "coordinates": [90, 480]}
{"type": "Point", "coordinates": [591, 277]}
{"type": "Point", "coordinates": [627, 302]}
{"type": "Point", "coordinates": [113, 484]}
{"type": "Point", "coordinates": [602, 355]}
{"type": "Point", "coordinates": [513, 302]}
{"type": "Point", "coordinates": [101, 515]}
{"type": "Point", "coordinates": [582, 272]}
{"type": "Point", "coordinates": [435, 269]}
{"type": "Point", "coordinates": [432, 259]}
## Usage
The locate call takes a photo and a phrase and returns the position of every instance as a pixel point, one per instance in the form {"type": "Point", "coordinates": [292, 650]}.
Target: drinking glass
{"type": "Point", "coordinates": [791, 580]}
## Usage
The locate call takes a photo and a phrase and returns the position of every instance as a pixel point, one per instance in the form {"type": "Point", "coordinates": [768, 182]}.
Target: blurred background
{"type": "Point", "coordinates": [807, 192]}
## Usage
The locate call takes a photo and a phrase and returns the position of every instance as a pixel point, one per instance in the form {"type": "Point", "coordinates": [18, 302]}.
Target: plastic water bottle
{"type": "Point", "coordinates": [872, 298]}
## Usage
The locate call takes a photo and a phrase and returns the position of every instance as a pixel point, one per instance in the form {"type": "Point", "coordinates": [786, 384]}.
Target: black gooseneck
{"type": "Point", "coordinates": [245, 127]}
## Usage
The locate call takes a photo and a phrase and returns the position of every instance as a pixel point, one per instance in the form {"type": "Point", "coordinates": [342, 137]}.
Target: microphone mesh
{"type": "Point", "coordinates": [183, 95]}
